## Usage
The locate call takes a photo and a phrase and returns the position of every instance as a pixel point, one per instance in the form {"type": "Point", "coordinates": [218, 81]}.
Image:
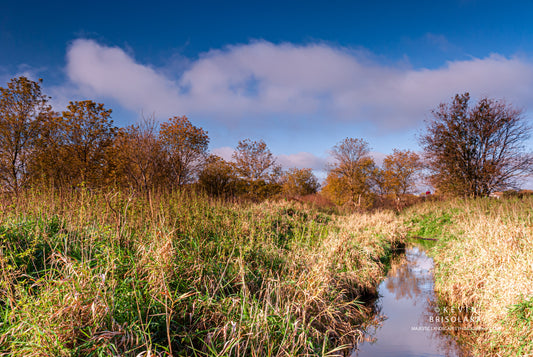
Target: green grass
{"type": "Point", "coordinates": [98, 274]}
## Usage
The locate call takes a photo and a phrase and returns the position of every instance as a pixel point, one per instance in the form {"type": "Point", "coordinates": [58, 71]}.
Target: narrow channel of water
{"type": "Point", "coordinates": [407, 320]}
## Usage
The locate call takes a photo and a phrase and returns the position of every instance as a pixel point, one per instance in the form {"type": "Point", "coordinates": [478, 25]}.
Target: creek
{"type": "Point", "coordinates": [407, 321]}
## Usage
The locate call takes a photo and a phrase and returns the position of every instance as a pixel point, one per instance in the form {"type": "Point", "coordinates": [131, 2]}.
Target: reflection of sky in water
{"type": "Point", "coordinates": [405, 301]}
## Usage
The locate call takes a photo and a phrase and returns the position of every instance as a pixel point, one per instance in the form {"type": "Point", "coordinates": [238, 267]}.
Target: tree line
{"type": "Point", "coordinates": [466, 151]}
{"type": "Point", "coordinates": [81, 147]}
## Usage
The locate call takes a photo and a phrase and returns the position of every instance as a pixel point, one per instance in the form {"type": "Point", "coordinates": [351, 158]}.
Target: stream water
{"type": "Point", "coordinates": [407, 319]}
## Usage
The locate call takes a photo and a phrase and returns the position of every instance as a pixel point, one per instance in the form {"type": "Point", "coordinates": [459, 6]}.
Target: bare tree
{"type": "Point", "coordinates": [475, 150]}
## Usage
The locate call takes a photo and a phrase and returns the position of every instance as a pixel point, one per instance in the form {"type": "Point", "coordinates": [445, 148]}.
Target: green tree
{"type": "Point", "coordinates": [186, 148]}
{"type": "Point", "coordinates": [475, 149]}
{"type": "Point", "coordinates": [23, 107]}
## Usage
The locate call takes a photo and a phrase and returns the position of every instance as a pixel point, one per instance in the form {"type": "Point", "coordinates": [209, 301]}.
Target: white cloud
{"type": "Point", "coordinates": [224, 152]}
{"type": "Point", "coordinates": [110, 72]}
{"type": "Point", "coordinates": [302, 160]}
{"type": "Point", "coordinates": [261, 79]}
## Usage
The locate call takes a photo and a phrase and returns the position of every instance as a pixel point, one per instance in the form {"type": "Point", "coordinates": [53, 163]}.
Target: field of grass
{"type": "Point", "coordinates": [484, 263]}
{"type": "Point", "coordinates": [101, 274]}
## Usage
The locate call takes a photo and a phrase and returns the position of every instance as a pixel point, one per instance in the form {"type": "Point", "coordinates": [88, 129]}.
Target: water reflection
{"type": "Point", "coordinates": [407, 323]}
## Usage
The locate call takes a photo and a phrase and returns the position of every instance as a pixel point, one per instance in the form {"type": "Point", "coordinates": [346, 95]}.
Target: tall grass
{"type": "Point", "coordinates": [484, 261]}
{"type": "Point", "coordinates": [112, 273]}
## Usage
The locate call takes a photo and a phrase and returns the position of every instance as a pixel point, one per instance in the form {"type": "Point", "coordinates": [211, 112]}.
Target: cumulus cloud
{"type": "Point", "coordinates": [110, 72]}
{"type": "Point", "coordinates": [266, 79]}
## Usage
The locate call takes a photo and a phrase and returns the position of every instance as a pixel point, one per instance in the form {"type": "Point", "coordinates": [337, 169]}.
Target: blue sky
{"type": "Point", "coordinates": [302, 75]}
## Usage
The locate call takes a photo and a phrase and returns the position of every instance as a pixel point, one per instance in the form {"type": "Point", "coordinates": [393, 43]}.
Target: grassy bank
{"type": "Point", "coordinates": [484, 263]}
{"type": "Point", "coordinates": [98, 274]}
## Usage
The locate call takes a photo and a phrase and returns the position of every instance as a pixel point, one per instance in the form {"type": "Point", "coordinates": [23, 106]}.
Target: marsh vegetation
{"type": "Point", "coordinates": [89, 273]}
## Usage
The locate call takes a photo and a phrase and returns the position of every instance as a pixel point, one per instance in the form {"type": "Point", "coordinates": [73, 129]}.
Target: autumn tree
{"type": "Point", "coordinates": [254, 160]}
{"type": "Point", "coordinates": [46, 166]}
{"type": "Point", "coordinates": [350, 180]}
{"type": "Point", "coordinates": [257, 168]}
{"type": "Point", "coordinates": [186, 148]}
{"type": "Point", "coordinates": [23, 108]}
{"type": "Point", "coordinates": [218, 177]}
{"type": "Point", "coordinates": [335, 188]}
{"type": "Point", "coordinates": [139, 157]}
{"type": "Point", "coordinates": [299, 182]}
{"type": "Point", "coordinates": [473, 149]}
{"type": "Point", "coordinates": [88, 134]}
{"type": "Point", "coordinates": [399, 172]}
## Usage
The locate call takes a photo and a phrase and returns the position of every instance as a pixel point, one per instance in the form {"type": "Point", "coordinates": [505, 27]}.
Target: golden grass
{"type": "Point", "coordinates": [116, 274]}
{"type": "Point", "coordinates": [485, 260]}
